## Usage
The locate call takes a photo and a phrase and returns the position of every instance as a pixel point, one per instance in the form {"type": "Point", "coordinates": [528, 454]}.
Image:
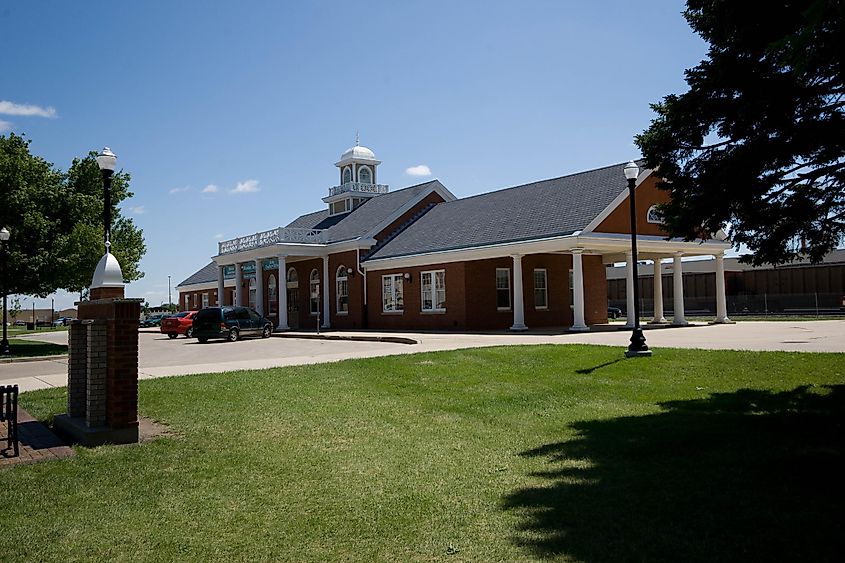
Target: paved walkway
{"type": "Point", "coordinates": [36, 442]}
{"type": "Point", "coordinates": [162, 357]}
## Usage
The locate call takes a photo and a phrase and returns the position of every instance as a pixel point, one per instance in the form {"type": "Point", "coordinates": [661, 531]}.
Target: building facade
{"type": "Point", "coordinates": [533, 255]}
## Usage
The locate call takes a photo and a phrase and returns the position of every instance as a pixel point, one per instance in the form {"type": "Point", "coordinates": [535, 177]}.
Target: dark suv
{"type": "Point", "coordinates": [230, 323]}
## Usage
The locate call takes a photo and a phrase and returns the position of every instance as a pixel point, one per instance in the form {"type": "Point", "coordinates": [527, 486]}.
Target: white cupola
{"type": "Point", "coordinates": [358, 172]}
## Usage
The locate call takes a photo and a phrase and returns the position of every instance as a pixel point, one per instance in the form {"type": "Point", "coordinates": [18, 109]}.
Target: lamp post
{"type": "Point", "coordinates": [169, 298]}
{"type": "Point", "coordinates": [637, 347]}
{"type": "Point", "coordinates": [106, 161]}
{"type": "Point", "coordinates": [4, 344]}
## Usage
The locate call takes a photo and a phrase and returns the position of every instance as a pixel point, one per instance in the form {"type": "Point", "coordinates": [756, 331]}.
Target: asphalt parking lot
{"type": "Point", "coordinates": [162, 357]}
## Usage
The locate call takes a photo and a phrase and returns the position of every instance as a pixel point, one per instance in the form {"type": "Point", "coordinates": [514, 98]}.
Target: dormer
{"type": "Point", "coordinates": [357, 166]}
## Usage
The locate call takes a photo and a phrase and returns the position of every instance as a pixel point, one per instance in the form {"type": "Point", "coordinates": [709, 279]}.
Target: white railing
{"type": "Point", "coordinates": [358, 187]}
{"type": "Point", "coordinates": [273, 236]}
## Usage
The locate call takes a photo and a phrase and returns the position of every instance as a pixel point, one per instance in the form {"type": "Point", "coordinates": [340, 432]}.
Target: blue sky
{"type": "Point", "coordinates": [267, 95]}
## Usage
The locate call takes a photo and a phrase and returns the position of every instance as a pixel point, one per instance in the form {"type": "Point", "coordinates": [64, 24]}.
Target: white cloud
{"type": "Point", "coordinates": [179, 190]}
{"type": "Point", "coordinates": [5, 126]}
{"type": "Point", "coordinates": [11, 108]}
{"type": "Point", "coordinates": [246, 187]}
{"type": "Point", "coordinates": [219, 236]}
{"type": "Point", "coordinates": [419, 170]}
{"type": "Point", "coordinates": [138, 210]}
{"type": "Point", "coordinates": [210, 189]}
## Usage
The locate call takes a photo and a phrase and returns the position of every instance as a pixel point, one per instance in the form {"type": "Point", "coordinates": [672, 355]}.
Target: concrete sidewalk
{"type": "Point", "coordinates": [161, 357]}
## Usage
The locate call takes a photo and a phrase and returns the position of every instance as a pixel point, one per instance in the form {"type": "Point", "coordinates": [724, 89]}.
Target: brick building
{"type": "Point", "coordinates": [418, 258]}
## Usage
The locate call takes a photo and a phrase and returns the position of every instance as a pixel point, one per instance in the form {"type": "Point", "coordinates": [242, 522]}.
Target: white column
{"type": "Point", "coordinates": [578, 291]}
{"type": "Point", "coordinates": [678, 279]}
{"type": "Point", "coordinates": [220, 286]}
{"type": "Point", "coordinates": [721, 302]}
{"type": "Point", "coordinates": [239, 282]}
{"type": "Point", "coordinates": [259, 286]}
{"type": "Point", "coordinates": [282, 288]}
{"type": "Point", "coordinates": [327, 323]}
{"type": "Point", "coordinates": [518, 307]}
{"type": "Point", "coordinates": [629, 288]}
{"type": "Point", "coordinates": [658, 293]}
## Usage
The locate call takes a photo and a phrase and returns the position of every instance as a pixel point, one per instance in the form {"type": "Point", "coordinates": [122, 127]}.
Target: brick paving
{"type": "Point", "coordinates": [37, 443]}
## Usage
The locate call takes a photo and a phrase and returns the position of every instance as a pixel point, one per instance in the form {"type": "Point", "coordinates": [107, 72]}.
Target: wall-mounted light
{"type": "Point", "coordinates": [350, 272]}
{"type": "Point", "coordinates": [407, 276]}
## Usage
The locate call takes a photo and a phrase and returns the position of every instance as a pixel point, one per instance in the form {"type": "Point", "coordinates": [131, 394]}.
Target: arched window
{"type": "Point", "coordinates": [342, 293]}
{"type": "Point", "coordinates": [347, 175]}
{"type": "Point", "coordinates": [365, 176]}
{"type": "Point", "coordinates": [272, 295]}
{"type": "Point", "coordinates": [252, 291]}
{"type": "Point", "coordinates": [653, 215]}
{"type": "Point", "coordinates": [315, 292]}
{"type": "Point", "coordinates": [293, 279]}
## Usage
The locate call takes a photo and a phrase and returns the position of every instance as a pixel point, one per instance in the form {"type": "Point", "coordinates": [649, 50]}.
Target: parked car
{"type": "Point", "coordinates": [62, 321]}
{"type": "Point", "coordinates": [180, 323]}
{"type": "Point", "coordinates": [614, 312]}
{"type": "Point", "coordinates": [230, 323]}
{"type": "Point", "coordinates": [153, 320]}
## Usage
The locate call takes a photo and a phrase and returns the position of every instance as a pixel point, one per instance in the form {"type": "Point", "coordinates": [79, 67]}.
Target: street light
{"type": "Point", "coordinates": [4, 344]}
{"type": "Point", "coordinates": [637, 347]}
{"type": "Point", "coordinates": [169, 298]}
{"type": "Point", "coordinates": [106, 161]}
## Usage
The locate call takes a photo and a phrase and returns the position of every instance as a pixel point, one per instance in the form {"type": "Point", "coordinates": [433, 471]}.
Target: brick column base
{"type": "Point", "coordinates": [103, 373]}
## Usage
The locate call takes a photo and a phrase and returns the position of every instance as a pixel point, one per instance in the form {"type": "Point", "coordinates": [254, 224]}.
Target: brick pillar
{"type": "Point", "coordinates": [122, 378]}
{"type": "Point", "coordinates": [95, 408]}
{"type": "Point", "coordinates": [77, 369]}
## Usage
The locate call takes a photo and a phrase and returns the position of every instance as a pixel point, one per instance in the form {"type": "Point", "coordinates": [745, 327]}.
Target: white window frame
{"type": "Point", "coordinates": [545, 289]}
{"type": "Point", "coordinates": [571, 289]}
{"type": "Point", "coordinates": [187, 302]}
{"type": "Point", "coordinates": [312, 281]}
{"type": "Point", "coordinates": [397, 304]}
{"type": "Point", "coordinates": [204, 300]}
{"type": "Point", "coordinates": [252, 293]}
{"type": "Point", "coordinates": [369, 171]}
{"type": "Point", "coordinates": [507, 272]}
{"type": "Point", "coordinates": [343, 178]}
{"type": "Point", "coordinates": [272, 295]}
{"type": "Point", "coordinates": [652, 216]}
{"type": "Point", "coordinates": [433, 291]}
{"type": "Point", "coordinates": [341, 281]}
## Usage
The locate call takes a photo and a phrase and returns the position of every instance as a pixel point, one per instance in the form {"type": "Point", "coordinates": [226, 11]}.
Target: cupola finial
{"type": "Point", "coordinates": [357, 139]}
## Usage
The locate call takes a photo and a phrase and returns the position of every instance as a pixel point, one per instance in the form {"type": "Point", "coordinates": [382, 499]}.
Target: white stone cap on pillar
{"type": "Point", "coordinates": [107, 273]}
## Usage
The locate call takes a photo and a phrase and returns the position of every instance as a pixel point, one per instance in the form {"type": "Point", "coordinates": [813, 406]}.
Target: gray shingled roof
{"type": "Point", "coordinates": [555, 207]}
{"type": "Point", "coordinates": [207, 274]}
{"type": "Point", "coordinates": [364, 218]}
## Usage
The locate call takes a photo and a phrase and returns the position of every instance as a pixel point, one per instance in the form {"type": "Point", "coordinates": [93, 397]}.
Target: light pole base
{"type": "Point", "coordinates": [4, 348]}
{"type": "Point", "coordinates": [638, 348]}
{"type": "Point", "coordinates": [637, 353]}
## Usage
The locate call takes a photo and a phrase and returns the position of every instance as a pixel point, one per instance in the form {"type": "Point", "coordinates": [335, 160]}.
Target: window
{"type": "Point", "coordinates": [252, 292]}
{"type": "Point", "coordinates": [365, 176]}
{"type": "Point", "coordinates": [503, 289]}
{"type": "Point", "coordinates": [293, 279]}
{"type": "Point", "coordinates": [653, 215]}
{"type": "Point", "coordinates": [342, 291]}
{"type": "Point", "coordinates": [433, 287]}
{"type": "Point", "coordinates": [391, 290]}
{"type": "Point", "coordinates": [272, 295]}
{"type": "Point", "coordinates": [339, 207]}
{"type": "Point", "coordinates": [347, 175]}
{"type": "Point", "coordinates": [315, 292]}
{"type": "Point", "coordinates": [204, 300]}
{"type": "Point", "coordinates": [541, 291]}
{"type": "Point", "coordinates": [571, 290]}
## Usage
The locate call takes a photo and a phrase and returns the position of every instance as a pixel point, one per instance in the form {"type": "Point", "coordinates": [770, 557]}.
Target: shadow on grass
{"type": "Point", "coordinates": [750, 475]}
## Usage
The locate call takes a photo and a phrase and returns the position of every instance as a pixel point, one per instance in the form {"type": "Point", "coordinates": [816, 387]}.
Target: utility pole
{"type": "Point", "coordinates": [169, 298]}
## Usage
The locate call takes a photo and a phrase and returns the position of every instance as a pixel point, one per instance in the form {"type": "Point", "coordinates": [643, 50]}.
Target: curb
{"type": "Point", "coordinates": [33, 359]}
{"type": "Point", "coordinates": [393, 339]}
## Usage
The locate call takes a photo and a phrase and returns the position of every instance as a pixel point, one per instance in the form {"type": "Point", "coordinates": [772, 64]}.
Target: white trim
{"type": "Point", "coordinates": [617, 201]}
{"type": "Point", "coordinates": [649, 219]}
{"type": "Point", "coordinates": [368, 169]}
{"type": "Point", "coordinates": [343, 171]}
{"type": "Point", "coordinates": [598, 243]}
{"type": "Point", "coordinates": [393, 277]}
{"type": "Point", "coordinates": [545, 289]}
{"type": "Point", "coordinates": [204, 285]}
{"type": "Point", "coordinates": [337, 279]}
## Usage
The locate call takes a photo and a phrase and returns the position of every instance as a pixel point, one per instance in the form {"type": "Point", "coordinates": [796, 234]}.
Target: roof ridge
{"type": "Point", "coordinates": [541, 181]}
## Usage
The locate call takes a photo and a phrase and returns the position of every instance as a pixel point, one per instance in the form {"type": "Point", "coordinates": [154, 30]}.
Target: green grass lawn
{"type": "Point", "coordinates": [21, 348]}
{"type": "Point", "coordinates": [498, 454]}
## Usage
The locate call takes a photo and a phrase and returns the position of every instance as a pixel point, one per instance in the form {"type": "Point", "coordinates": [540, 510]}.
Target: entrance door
{"type": "Point", "coordinates": [292, 283]}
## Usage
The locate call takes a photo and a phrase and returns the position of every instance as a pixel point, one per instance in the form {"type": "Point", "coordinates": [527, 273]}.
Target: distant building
{"type": "Point", "coordinates": [798, 287]}
{"type": "Point", "coordinates": [419, 258]}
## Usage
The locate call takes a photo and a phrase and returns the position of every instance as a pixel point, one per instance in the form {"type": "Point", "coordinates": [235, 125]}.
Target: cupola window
{"type": "Point", "coordinates": [365, 176]}
{"type": "Point", "coordinates": [347, 175]}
